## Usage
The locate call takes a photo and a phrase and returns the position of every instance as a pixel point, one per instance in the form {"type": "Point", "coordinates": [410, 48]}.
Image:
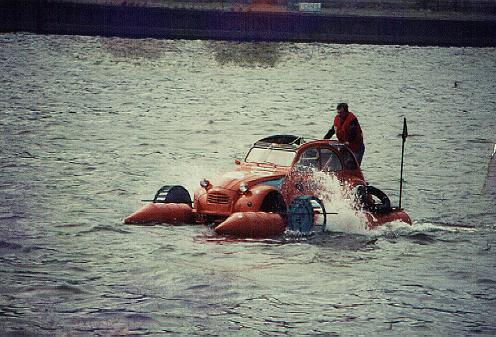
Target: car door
{"type": "Point", "coordinates": [298, 181]}
{"type": "Point", "coordinates": [313, 159]}
{"type": "Point", "coordinates": [336, 160]}
{"type": "Point", "coordinates": [350, 172]}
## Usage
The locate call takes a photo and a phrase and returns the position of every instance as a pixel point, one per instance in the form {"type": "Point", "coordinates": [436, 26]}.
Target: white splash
{"type": "Point", "coordinates": [190, 176]}
{"type": "Point", "coordinates": [339, 199]}
{"type": "Point", "coordinates": [399, 228]}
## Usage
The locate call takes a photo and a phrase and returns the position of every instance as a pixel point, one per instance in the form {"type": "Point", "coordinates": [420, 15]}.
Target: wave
{"type": "Point", "coordinates": [104, 228]}
{"type": "Point", "coordinates": [9, 246]}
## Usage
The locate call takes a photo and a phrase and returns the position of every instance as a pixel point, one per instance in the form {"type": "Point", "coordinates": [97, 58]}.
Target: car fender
{"type": "Point", "coordinates": [252, 200]}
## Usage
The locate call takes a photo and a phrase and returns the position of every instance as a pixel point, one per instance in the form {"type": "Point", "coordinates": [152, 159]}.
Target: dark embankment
{"type": "Point", "coordinates": [91, 19]}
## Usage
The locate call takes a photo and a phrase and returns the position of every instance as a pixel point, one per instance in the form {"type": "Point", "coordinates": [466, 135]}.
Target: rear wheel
{"type": "Point", "coordinates": [373, 199]}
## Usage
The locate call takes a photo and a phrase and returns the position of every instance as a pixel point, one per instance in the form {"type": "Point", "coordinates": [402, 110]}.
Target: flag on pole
{"type": "Point", "coordinates": [405, 129]}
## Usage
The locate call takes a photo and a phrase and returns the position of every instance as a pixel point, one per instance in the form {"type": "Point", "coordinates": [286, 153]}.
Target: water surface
{"type": "Point", "coordinates": [90, 126]}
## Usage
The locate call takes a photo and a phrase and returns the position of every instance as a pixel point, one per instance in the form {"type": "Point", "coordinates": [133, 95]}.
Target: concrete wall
{"type": "Point", "coordinates": [461, 6]}
{"type": "Point", "coordinates": [89, 19]}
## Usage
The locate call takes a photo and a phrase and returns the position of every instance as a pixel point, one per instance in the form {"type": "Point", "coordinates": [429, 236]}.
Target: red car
{"type": "Point", "coordinates": [271, 190]}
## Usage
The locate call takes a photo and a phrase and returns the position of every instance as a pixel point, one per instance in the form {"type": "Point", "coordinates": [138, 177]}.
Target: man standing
{"type": "Point", "coordinates": [348, 131]}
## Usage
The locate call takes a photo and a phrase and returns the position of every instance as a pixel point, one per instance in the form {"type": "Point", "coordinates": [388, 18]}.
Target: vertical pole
{"type": "Point", "coordinates": [403, 136]}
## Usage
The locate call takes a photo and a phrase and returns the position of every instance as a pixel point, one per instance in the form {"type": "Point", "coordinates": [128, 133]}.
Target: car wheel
{"type": "Point", "coordinates": [273, 202]}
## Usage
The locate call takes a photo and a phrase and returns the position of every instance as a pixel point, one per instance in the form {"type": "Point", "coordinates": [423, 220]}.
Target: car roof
{"type": "Point", "coordinates": [332, 143]}
{"type": "Point", "coordinates": [292, 142]}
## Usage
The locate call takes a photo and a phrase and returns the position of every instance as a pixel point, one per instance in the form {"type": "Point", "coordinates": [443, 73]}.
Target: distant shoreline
{"type": "Point", "coordinates": [130, 20]}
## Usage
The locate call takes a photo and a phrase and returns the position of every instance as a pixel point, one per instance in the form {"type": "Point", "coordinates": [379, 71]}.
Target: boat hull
{"type": "Point", "coordinates": [252, 225]}
{"type": "Point", "coordinates": [170, 213]}
{"type": "Point", "coordinates": [375, 220]}
{"type": "Point", "coordinates": [241, 224]}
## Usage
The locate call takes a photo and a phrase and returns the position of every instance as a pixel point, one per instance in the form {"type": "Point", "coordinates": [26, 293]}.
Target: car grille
{"type": "Point", "coordinates": [217, 198]}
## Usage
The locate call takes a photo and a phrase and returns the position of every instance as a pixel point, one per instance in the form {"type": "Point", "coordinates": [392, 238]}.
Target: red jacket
{"type": "Point", "coordinates": [343, 131]}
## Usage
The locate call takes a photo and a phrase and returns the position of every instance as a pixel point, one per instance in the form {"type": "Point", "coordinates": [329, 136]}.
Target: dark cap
{"type": "Point", "coordinates": [342, 105]}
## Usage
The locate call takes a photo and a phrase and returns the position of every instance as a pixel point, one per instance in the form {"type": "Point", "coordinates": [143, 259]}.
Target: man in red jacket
{"type": "Point", "coordinates": [348, 131]}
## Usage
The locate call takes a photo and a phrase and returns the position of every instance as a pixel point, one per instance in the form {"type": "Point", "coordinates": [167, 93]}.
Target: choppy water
{"type": "Point", "coordinates": [90, 126]}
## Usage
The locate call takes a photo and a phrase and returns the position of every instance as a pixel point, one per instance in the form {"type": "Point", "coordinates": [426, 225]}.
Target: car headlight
{"type": "Point", "coordinates": [204, 183]}
{"type": "Point", "coordinates": [243, 188]}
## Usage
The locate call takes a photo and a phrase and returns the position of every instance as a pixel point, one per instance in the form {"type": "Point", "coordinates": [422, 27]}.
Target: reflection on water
{"type": "Point", "coordinates": [135, 49]}
{"type": "Point", "coordinates": [243, 54]}
{"type": "Point", "coordinates": [257, 54]}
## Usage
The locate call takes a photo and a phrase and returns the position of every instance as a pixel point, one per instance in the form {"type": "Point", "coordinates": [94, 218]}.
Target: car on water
{"type": "Point", "coordinates": [273, 185]}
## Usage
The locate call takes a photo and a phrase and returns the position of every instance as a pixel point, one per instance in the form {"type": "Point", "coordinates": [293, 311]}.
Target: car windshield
{"type": "Point", "coordinates": [277, 156]}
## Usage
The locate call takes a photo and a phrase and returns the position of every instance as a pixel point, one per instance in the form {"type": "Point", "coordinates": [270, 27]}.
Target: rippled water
{"type": "Point", "coordinates": [90, 126]}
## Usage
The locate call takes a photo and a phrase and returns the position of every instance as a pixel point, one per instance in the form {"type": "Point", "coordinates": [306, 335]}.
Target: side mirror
{"type": "Point", "coordinates": [237, 162]}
